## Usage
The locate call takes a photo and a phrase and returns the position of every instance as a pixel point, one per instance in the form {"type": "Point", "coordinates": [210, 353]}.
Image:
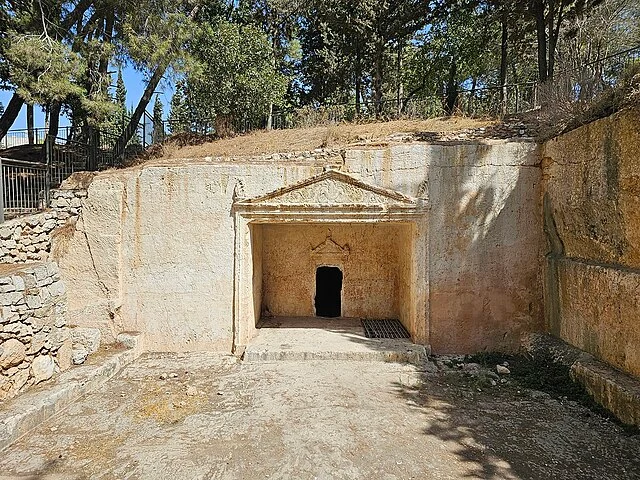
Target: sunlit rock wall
{"type": "Point", "coordinates": [485, 244]}
{"type": "Point", "coordinates": [592, 221]}
{"type": "Point", "coordinates": [154, 246]}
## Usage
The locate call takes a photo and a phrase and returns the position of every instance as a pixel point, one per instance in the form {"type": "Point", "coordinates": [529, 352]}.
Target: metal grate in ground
{"type": "Point", "coordinates": [384, 329]}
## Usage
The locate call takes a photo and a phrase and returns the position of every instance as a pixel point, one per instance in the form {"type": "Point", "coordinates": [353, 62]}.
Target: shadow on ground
{"type": "Point", "coordinates": [509, 431]}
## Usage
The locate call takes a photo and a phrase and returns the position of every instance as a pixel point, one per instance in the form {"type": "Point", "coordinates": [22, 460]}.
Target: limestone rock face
{"type": "Point", "coordinates": [19, 380]}
{"type": "Point", "coordinates": [12, 352]}
{"type": "Point", "coordinates": [89, 338]}
{"type": "Point", "coordinates": [592, 219]}
{"type": "Point", "coordinates": [42, 368]}
{"type": "Point", "coordinates": [79, 356]}
{"type": "Point", "coordinates": [64, 355]}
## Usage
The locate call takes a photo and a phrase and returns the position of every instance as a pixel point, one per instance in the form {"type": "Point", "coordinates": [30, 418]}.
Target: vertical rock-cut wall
{"type": "Point", "coordinates": [592, 220]}
{"type": "Point", "coordinates": [485, 245]}
{"type": "Point", "coordinates": [154, 249]}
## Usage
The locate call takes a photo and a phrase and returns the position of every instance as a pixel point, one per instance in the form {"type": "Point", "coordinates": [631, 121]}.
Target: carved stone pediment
{"type": "Point", "coordinates": [332, 189]}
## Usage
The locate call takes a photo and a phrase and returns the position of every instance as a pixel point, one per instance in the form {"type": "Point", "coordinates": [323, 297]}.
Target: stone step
{"type": "Point", "coordinates": [299, 339]}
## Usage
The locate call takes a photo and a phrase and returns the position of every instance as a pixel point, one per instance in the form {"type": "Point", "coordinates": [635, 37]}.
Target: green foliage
{"type": "Point", "coordinates": [238, 60]}
{"type": "Point", "coordinates": [120, 99]}
{"type": "Point", "coordinates": [43, 70]}
{"type": "Point", "coordinates": [235, 76]}
{"type": "Point", "coordinates": [157, 134]}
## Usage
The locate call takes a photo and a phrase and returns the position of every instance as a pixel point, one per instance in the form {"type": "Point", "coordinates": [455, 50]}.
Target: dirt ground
{"type": "Point", "coordinates": [204, 416]}
{"type": "Point", "coordinates": [306, 139]}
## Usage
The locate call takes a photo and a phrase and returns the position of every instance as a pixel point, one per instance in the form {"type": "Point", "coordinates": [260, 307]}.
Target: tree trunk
{"type": "Point", "coordinates": [358, 79]}
{"type": "Point", "coordinates": [541, 34]}
{"type": "Point", "coordinates": [554, 33]}
{"type": "Point", "coordinates": [452, 88]}
{"type": "Point", "coordinates": [503, 64]}
{"type": "Point", "coordinates": [377, 77]}
{"type": "Point", "coordinates": [472, 96]}
{"type": "Point", "coordinates": [30, 123]}
{"type": "Point", "coordinates": [274, 49]}
{"type": "Point", "coordinates": [10, 114]}
{"type": "Point", "coordinates": [400, 92]}
{"type": "Point", "coordinates": [132, 126]}
{"type": "Point", "coordinates": [107, 37]}
{"type": "Point", "coordinates": [54, 118]}
{"type": "Point", "coordinates": [270, 117]}
{"type": "Point", "coordinates": [550, 41]}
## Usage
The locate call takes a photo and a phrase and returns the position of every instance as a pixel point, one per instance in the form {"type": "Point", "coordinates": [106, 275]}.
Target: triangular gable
{"type": "Point", "coordinates": [332, 188]}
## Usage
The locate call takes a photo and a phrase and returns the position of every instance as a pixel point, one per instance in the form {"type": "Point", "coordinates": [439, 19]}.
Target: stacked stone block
{"type": "Point", "coordinates": [28, 239]}
{"type": "Point", "coordinates": [67, 204]}
{"type": "Point", "coordinates": [35, 341]}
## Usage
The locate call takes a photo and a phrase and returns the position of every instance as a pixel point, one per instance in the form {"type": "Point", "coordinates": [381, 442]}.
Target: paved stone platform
{"type": "Point", "coordinates": [313, 338]}
{"type": "Point", "coordinates": [209, 417]}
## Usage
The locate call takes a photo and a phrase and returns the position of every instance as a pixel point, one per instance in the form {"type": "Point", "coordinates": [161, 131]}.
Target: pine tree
{"type": "Point", "coordinates": [178, 111]}
{"type": "Point", "coordinates": [121, 101]}
{"type": "Point", "coordinates": [158, 126]}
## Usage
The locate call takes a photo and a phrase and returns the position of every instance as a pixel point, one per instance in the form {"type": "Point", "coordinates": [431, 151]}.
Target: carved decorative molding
{"type": "Point", "coordinates": [332, 188]}
{"type": "Point", "coordinates": [329, 248]}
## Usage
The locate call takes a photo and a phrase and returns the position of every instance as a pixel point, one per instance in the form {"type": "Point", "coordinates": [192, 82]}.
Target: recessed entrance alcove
{"type": "Point", "coordinates": [331, 246]}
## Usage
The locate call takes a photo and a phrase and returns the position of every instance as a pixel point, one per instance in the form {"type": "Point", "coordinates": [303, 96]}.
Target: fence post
{"type": "Point", "coordinates": [48, 152]}
{"type": "Point", "coordinates": [92, 160]}
{"type": "Point", "coordinates": [1, 192]}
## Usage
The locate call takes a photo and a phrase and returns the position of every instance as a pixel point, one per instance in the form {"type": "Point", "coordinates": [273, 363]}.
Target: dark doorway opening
{"type": "Point", "coordinates": [328, 300]}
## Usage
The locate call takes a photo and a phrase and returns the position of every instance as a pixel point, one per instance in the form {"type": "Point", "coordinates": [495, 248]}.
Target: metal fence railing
{"type": "Point", "coordinates": [24, 187]}
{"type": "Point", "coordinates": [64, 157]}
{"type": "Point", "coordinates": [35, 136]}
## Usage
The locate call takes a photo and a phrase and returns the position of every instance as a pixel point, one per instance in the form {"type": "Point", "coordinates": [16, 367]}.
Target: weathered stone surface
{"type": "Point", "coordinates": [482, 254]}
{"type": "Point", "coordinates": [12, 352]}
{"type": "Point", "coordinates": [89, 338]}
{"type": "Point", "coordinates": [32, 327]}
{"type": "Point", "coordinates": [37, 342]}
{"type": "Point", "coordinates": [592, 220]}
{"type": "Point", "coordinates": [617, 392]}
{"type": "Point", "coordinates": [19, 380]}
{"type": "Point", "coordinates": [600, 307]}
{"type": "Point", "coordinates": [42, 368]}
{"type": "Point", "coordinates": [591, 176]}
{"type": "Point", "coordinates": [58, 336]}
{"type": "Point", "coordinates": [18, 282]}
{"type": "Point", "coordinates": [79, 355]}
{"type": "Point", "coordinates": [33, 301]}
{"type": "Point", "coordinates": [5, 386]}
{"type": "Point", "coordinates": [63, 356]}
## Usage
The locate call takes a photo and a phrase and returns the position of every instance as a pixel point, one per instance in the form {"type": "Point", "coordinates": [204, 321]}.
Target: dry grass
{"type": "Point", "coordinates": [561, 113]}
{"type": "Point", "coordinates": [306, 139]}
{"type": "Point", "coordinates": [61, 238]}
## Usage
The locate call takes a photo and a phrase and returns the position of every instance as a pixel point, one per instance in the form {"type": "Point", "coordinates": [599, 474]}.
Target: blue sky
{"type": "Point", "coordinates": [134, 81]}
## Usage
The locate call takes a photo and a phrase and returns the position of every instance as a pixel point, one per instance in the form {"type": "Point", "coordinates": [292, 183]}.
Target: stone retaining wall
{"type": "Point", "coordinates": [28, 239]}
{"type": "Point", "coordinates": [35, 341]}
{"type": "Point", "coordinates": [67, 204]}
